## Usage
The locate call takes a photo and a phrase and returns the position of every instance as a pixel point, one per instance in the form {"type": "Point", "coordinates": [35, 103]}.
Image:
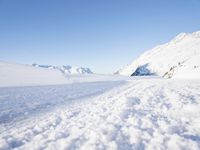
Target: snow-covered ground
{"type": "Point", "coordinates": [133, 113]}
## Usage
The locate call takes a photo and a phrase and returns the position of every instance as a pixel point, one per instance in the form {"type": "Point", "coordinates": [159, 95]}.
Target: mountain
{"type": "Point", "coordinates": [179, 58]}
{"type": "Point", "coordinates": [66, 70]}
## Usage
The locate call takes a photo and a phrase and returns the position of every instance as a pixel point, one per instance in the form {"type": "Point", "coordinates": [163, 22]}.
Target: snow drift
{"type": "Point", "coordinates": [179, 58]}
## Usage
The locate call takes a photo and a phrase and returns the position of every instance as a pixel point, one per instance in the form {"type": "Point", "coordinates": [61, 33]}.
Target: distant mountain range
{"type": "Point", "coordinates": [66, 70]}
{"type": "Point", "coordinates": [179, 58]}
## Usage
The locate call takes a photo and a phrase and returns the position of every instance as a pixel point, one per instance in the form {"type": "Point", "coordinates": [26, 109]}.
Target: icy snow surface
{"type": "Point", "coordinates": [135, 113]}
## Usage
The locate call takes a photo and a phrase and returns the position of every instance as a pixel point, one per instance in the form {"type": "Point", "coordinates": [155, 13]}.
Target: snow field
{"type": "Point", "coordinates": [139, 114]}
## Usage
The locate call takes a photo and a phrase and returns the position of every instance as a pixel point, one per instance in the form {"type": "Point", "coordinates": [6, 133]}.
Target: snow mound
{"type": "Point", "coordinates": [179, 58]}
{"type": "Point", "coordinates": [66, 69]}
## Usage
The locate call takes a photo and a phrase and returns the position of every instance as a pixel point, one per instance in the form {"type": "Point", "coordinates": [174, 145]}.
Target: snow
{"type": "Point", "coordinates": [68, 108]}
{"type": "Point", "coordinates": [179, 58]}
{"type": "Point", "coordinates": [12, 74]}
{"type": "Point", "coordinates": [190, 70]}
{"type": "Point", "coordinates": [133, 113]}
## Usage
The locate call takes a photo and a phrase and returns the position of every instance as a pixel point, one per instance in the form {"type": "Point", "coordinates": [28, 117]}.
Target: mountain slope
{"type": "Point", "coordinates": [178, 58]}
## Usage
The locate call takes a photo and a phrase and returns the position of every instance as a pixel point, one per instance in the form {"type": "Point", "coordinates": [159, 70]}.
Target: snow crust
{"type": "Point", "coordinates": [180, 58]}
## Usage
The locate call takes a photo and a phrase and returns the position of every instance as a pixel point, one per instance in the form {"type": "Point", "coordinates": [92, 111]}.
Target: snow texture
{"type": "Point", "coordinates": [138, 113]}
{"type": "Point", "coordinates": [180, 58]}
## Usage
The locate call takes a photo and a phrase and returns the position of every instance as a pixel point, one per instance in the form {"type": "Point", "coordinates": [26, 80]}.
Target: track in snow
{"type": "Point", "coordinates": [138, 114]}
{"type": "Point", "coordinates": [22, 102]}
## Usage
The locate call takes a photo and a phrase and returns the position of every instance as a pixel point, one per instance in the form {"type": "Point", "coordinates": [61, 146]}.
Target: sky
{"type": "Point", "coordinates": [103, 35]}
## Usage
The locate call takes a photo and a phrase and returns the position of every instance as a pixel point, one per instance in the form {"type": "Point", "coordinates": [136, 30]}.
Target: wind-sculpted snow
{"type": "Point", "coordinates": [137, 114]}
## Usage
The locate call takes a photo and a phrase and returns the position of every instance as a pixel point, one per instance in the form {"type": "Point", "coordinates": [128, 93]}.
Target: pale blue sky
{"type": "Point", "coordinates": [101, 34]}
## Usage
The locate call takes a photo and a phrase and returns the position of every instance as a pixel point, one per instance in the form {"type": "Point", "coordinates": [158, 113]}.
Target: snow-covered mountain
{"type": "Point", "coordinates": [66, 70]}
{"type": "Point", "coordinates": [179, 58]}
